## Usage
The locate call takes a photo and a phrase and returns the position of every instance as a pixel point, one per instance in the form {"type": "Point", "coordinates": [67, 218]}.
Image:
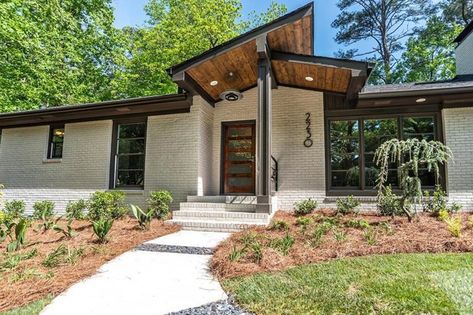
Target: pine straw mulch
{"type": "Point", "coordinates": [30, 280]}
{"type": "Point", "coordinates": [426, 234]}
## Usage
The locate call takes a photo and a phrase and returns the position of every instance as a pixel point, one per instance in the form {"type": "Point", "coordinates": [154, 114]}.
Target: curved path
{"type": "Point", "coordinates": [169, 274]}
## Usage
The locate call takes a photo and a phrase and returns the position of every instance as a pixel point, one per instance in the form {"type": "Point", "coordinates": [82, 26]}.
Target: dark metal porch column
{"type": "Point", "coordinates": [263, 129]}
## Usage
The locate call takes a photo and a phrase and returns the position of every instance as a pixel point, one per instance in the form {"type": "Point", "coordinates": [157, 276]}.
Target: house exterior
{"type": "Point", "coordinates": [260, 123]}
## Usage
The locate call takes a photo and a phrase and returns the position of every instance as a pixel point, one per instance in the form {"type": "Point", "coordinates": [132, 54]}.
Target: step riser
{"type": "Point", "coordinates": [213, 226]}
{"type": "Point", "coordinates": [223, 199]}
{"type": "Point", "coordinates": [223, 220]}
{"type": "Point", "coordinates": [195, 206]}
{"type": "Point", "coordinates": [221, 215]}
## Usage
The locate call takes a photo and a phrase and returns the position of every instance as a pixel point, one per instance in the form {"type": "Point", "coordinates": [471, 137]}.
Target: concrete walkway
{"type": "Point", "coordinates": [159, 277]}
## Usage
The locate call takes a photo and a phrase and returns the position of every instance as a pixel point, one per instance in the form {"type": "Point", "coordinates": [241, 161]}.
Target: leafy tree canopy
{"type": "Point", "coordinates": [457, 11]}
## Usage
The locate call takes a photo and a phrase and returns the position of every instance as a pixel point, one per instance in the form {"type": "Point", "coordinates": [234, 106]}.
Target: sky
{"type": "Point", "coordinates": [130, 12]}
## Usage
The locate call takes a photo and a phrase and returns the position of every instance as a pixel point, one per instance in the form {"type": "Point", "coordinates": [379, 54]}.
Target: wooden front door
{"type": "Point", "coordinates": [238, 158]}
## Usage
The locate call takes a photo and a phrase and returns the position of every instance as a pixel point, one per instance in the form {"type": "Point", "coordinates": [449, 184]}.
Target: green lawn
{"type": "Point", "coordinates": [390, 284]}
{"type": "Point", "coordinates": [30, 309]}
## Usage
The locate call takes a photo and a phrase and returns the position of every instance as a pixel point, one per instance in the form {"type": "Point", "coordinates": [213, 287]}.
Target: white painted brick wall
{"type": "Point", "coordinates": [83, 169]}
{"type": "Point", "coordinates": [458, 128]}
{"type": "Point", "coordinates": [205, 133]}
{"type": "Point", "coordinates": [464, 56]}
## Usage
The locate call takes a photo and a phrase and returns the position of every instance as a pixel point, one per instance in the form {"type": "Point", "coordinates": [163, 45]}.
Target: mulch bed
{"type": "Point", "coordinates": [426, 234]}
{"type": "Point", "coordinates": [39, 281]}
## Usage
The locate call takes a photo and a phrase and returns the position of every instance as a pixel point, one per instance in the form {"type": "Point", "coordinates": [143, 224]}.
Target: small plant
{"type": "Point", "coordinates": [358, 224]}
{"type": "Point", "coordinates": [68, 231]}
{"type": "Point", "coordinates": [44, 211]}
{"type": "Point", "coordinates": [280, 225]}
{"type": "Point", "coordinates": [19, 227]}
{"type": "Point", "coordinates": [107, 205]}
{"type": "Point", "coordinates": [340, 235]}
{"type": "Point", "coordinates": [15, 209]}
{"type": "Point", "coordinates": [12, 261]}
{"type": "Point", "coordinates": [236, 254]}
{"type": "Point", "coordinates": [438, 202]}
{"type": "Point", "coordinates": [389, 204]}
{"type": "Point", "coordinates": [144, 218]}
{"type": "Point", "coordinates": [470, 221]}
{"type": "Point", "coordinates": [257, 253]}
{"type": "Point", "coordinates": [455, 207]}
{"type": "Point", "coordinates": [101, 228]}
{"type": "Point", "coordinates": [319, 232]}
{"type": "Point", "coordinates": [443, 215]}
{"type": "Point", "coordinates": [386, 227]}
{"type": "Point", "coordinates": [303, 223]}
{"type": "Point", "coordinates": [62, 255]}
{"type": "Point", "coordinates": [305, 207]}
{"type": "Point", "coordinates": [76, 209]}
{"type": "Point", "coordinates": [159, 202]}
{"type": "Point", "coordinates": [454, 226]}
{"type": "Point", "coordinates": [282, 245]}
{"type": "Point", "coordinates": [370, 235]}
{"type": "Point", "coordinates": [248, 239]}
{"type": "Point", "coordinates": [347, 205]}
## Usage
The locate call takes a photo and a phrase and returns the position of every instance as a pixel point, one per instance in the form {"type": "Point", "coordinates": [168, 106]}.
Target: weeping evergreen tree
{"type": "Point", "coordinates": [410, 155]}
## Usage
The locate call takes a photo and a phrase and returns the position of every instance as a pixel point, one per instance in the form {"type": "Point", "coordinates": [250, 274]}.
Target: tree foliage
{"type": "Point", "coordinates": [410, 155]}
{"type": "Point", "coordinates": [385, 22]}
{"type": "Point", "coordinates": [256, 19]}
{"type": "Point", "coordinates": [457, 11]}
{"type": "Point", "coordinates": [429, 55]}
{"type": "Point", "coordinates": [55, 52]}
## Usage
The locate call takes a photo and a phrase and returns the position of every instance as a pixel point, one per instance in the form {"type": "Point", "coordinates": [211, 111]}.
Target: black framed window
{"type": "Point", "coordinates": [352, 143]}
{"type": "Point", "coordinates": [56, 141]}
{"type": "Point", "coordinates": [129, 159]}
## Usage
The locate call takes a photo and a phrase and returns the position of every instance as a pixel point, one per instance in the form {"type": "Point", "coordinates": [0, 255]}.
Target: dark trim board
{"type": "Point", "coordinates": [148, 106]}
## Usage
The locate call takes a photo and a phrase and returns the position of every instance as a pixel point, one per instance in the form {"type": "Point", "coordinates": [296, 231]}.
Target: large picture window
{"type": "Point", "coordinates": [353, 142]}
{"type": "Point", "coordinates": [130, 155]}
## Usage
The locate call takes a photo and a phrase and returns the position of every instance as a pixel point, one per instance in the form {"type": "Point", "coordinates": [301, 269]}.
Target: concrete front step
{"type": "Point", "coordinates": [262, 218]}
{"type": "Point", "coordinates": [213, 225]}
{"type": "Point", "coordinates": [229, 207]}
{"type": "Point", "coordinates": [223, 199]}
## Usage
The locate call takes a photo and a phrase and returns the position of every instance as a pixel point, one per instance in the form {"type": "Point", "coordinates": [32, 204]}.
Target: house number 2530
{"type": "Point", "coordinates": [308, 140]}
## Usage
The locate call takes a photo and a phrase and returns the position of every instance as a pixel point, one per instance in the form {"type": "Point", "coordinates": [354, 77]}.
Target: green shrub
{"type": "Point", "coordinates": [454, 226]}
{"type": "Point", "coordinates": [101, 228]}
{"type": "Point", "coordinates": [15, 209]}
{"type": "Point", "coordinates": [44, 211]}
{"type": "Point", "coordinates": [438, 202]}
{"type": "Point", "coordinates": [76, 209]}
{"type": "Point", "coordinates": [159, 202]}
{"type": "Point", "coordinates": [283, 245]}
{"type": "Point", "coordinates": [389, 204]}
{"type": "Point", "coordinates": [305, 207]}
{"type": "Point", "coordinates": [144, 218]}
{"type": "Point", "coordinates": [107, 205]}
{"type": "Point", "coordinates": [279, 225]}
{"type": "Point", "coordinates": [347, 205]}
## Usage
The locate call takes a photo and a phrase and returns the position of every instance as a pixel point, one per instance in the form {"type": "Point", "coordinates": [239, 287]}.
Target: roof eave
{"type": "Point", "coordinates": [425, 92]}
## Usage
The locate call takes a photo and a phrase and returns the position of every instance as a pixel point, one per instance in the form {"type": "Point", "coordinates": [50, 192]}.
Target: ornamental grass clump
{"type": "Point", "coordinates": [410, 155]}
{"type": "Point", "coordinates": [279, 225]}
{"type": "Point", "coordinates": [454, 226]}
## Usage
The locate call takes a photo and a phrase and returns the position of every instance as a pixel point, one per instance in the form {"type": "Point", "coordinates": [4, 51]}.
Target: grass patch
{"type": "Point", "coordinates": [383, 284]}
{"type": "Point", "coordinates": [33, 308]}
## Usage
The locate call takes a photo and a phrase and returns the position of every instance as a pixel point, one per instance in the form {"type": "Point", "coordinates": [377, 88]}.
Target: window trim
{"type": "Point", "coordinates": [52, 127]}
{"type": "Point", "coordinates": [114, 148]}
{"type": "Point", "coordinates": [362, 189]}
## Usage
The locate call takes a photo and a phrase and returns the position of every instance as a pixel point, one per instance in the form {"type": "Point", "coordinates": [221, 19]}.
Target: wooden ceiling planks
{"type": "Point", "coordinates": [295, 37]}
{"type": "Point", "coordinates": [240, 61]}
{"type": "Point", "coordinates": [325, 78]}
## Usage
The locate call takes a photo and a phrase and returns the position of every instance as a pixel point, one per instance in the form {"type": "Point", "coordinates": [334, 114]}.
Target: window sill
{"type": "Point", "coordinates": [49, 161]}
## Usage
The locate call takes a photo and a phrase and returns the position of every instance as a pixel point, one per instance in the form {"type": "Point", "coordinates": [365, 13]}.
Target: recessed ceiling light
{"type": "Point", "coordinates": [214, 83]}
{"type": "Point", "coordinates": [420, 100]}
{"type": "Point", "coordinates": [310, 79]}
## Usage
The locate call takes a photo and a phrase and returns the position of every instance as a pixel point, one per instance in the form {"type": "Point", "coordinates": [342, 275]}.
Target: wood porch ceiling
{"type": "Point", "coordinates": [234, 65]}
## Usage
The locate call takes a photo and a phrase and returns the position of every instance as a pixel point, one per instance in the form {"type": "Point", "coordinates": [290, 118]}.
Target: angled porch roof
{"type": "Point", "coordinates": [290, 45]}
